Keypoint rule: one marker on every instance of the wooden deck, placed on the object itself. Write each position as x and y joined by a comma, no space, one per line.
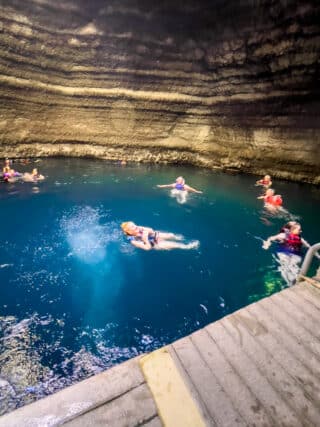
259,366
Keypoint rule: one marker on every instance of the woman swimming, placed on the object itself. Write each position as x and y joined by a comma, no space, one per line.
289,251
271,199
289,238
180,185
146,238
180,189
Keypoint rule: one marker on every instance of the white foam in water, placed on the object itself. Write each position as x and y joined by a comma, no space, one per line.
85,246
289,266
180,195
147,339
87,238
5,265
204,308
222,302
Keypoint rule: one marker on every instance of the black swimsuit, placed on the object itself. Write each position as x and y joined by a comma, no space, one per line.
152,237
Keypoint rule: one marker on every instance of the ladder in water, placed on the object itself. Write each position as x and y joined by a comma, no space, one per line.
312,251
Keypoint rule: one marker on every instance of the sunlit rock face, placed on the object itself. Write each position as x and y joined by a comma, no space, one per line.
223,83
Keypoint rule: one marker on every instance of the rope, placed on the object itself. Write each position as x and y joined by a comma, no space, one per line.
313,282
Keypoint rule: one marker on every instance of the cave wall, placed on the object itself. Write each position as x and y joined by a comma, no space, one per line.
222,84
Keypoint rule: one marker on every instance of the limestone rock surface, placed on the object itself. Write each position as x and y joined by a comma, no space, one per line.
220,84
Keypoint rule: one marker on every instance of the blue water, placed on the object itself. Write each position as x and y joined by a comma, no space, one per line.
76,297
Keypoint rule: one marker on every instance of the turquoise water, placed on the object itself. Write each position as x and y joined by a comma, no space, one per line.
76,297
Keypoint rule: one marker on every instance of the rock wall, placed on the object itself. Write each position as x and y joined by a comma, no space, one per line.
223,84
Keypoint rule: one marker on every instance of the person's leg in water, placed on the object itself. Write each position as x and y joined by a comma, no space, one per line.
168,236
182,197
289,266
167,245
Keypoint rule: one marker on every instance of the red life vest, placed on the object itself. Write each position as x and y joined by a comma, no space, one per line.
293,241
274,200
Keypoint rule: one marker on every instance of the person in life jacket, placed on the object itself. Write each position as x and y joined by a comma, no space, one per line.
179,185
289,238
146,238
265,181
271,198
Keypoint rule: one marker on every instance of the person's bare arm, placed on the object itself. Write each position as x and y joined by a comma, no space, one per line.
307,245
267,243
141,245
165,185
193,190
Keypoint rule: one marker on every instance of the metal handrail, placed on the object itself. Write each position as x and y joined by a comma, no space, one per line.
307,260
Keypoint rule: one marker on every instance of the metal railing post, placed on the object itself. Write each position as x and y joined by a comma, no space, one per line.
307,260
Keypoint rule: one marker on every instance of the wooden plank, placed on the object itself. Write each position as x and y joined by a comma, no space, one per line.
231,381
310,293
217,403
294,312
304,305
77,399
311,280
280,367
131,409
242,354
294,341
176,406
190,386
293,322
315,291
155,422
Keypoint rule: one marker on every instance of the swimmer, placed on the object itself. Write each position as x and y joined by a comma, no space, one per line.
7,171
24,161
146,238
289,238
271,199
34,176
265,181
11,175
180,185
287,227
7,166
289,250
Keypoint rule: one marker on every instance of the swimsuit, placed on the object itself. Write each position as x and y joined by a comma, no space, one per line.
152,237
179,186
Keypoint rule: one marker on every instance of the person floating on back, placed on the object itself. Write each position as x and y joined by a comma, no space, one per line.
265,181
146,238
